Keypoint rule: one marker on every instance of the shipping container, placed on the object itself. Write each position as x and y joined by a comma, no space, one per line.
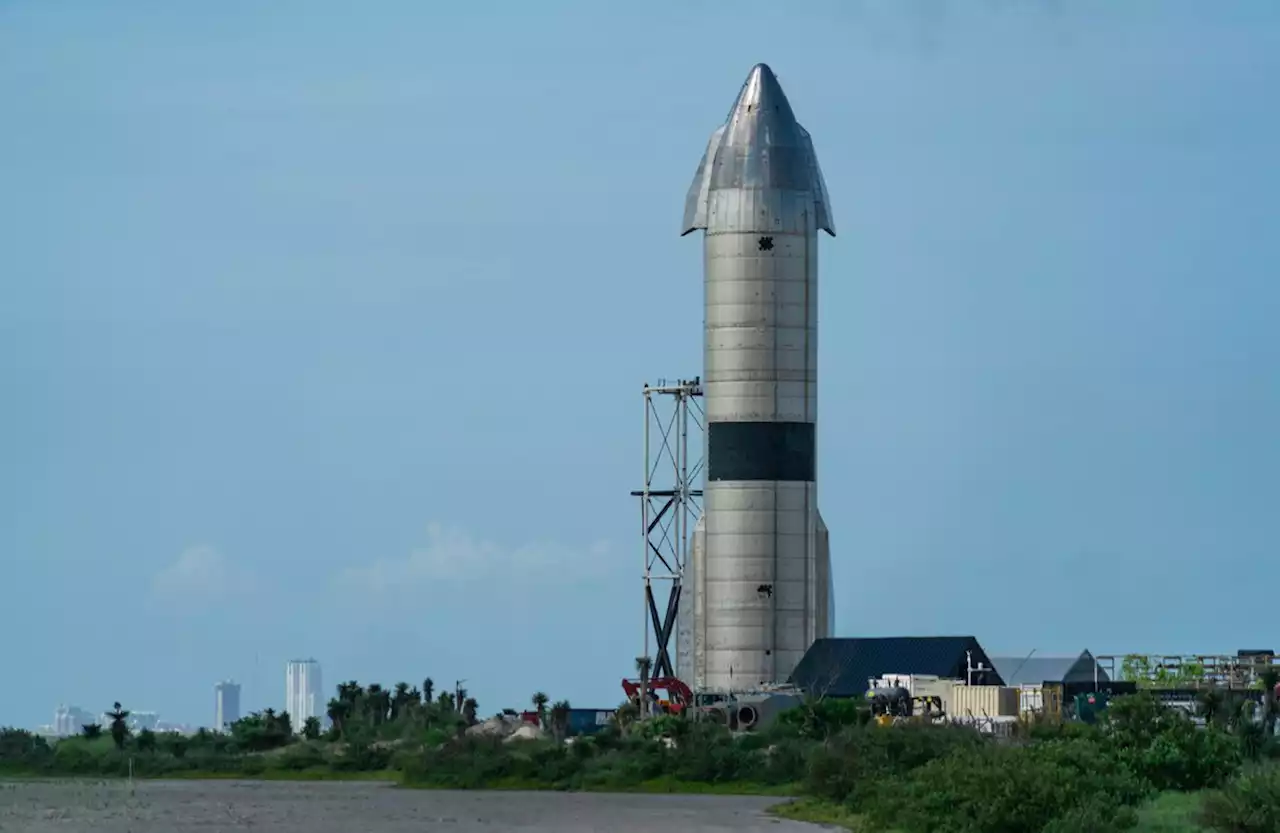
1030,698
589,721
1045,699
983,701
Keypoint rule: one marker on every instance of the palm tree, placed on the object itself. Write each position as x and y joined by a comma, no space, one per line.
1211,706
540,699
376,702
119,728
626,715
560,719
338,712
399,700
350,692
428,690
469,707
643,666
92,731
311,728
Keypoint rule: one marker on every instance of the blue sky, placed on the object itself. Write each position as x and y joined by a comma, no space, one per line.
322,329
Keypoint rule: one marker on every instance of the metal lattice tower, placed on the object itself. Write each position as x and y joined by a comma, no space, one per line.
670,504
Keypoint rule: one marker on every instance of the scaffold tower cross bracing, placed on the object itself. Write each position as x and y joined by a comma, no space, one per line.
670,503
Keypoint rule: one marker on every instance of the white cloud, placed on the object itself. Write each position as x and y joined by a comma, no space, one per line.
453,555
200,576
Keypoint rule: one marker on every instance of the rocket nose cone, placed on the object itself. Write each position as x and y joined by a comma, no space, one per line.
762,94
762,72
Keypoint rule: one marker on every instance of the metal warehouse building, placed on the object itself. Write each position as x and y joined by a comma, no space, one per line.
842,667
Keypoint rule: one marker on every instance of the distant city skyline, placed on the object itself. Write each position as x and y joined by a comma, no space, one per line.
304,694
69,720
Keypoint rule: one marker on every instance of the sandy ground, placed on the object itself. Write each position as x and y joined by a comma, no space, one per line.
286,807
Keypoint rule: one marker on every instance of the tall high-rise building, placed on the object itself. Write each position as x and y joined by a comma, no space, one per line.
303,692
226,705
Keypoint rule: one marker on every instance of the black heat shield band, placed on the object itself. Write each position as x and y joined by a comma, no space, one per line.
760,451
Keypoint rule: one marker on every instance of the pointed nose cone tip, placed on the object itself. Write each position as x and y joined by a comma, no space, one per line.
761,72
761,93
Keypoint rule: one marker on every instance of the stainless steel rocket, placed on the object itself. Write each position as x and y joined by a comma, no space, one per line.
759,568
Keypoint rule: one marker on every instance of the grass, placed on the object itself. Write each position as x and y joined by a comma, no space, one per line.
817,811
1167,813
1170,813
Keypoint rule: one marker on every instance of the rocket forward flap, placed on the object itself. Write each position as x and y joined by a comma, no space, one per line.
821,202
695,203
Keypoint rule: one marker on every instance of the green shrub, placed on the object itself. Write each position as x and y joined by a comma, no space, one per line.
21,749
1249,804
821,719
1095,769
785,762
1186,759
1138,719
146,741
554,764
1042,729
628,763
301,756
362,757
83,756
464,763
993,789
609,737
174,744
662,726
1164,747
1253,739
711,755
847,767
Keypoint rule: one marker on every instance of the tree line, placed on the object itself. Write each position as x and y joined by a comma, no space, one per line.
912,776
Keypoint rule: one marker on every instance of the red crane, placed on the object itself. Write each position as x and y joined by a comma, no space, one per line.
679,696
